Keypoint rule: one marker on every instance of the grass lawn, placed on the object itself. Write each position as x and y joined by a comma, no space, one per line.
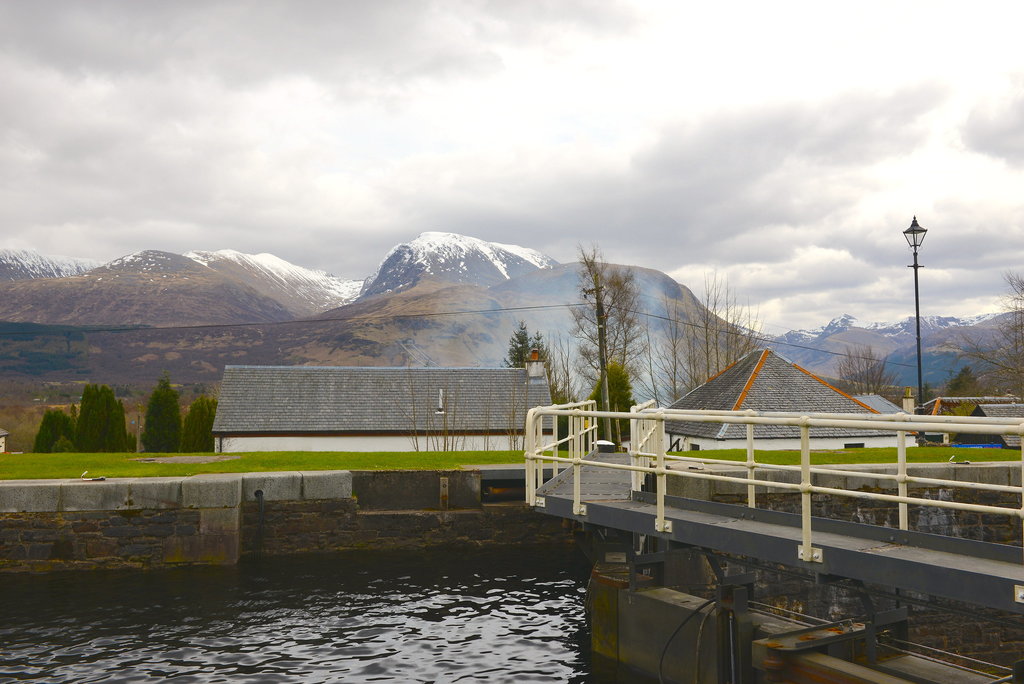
64,466
922,454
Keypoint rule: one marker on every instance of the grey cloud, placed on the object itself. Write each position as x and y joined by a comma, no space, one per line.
356,47
700,192
997,129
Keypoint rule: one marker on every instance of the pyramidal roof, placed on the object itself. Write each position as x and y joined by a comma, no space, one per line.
765,381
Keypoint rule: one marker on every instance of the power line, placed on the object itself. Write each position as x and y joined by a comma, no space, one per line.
46,328
53,329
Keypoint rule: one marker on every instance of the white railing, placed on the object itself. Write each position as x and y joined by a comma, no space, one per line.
648,457
544,449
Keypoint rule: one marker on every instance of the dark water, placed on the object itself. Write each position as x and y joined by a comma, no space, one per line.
498,616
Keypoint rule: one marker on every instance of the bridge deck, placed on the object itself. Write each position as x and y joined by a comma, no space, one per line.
978,573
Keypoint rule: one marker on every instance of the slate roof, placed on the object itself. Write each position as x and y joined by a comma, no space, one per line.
374,400
764,381
1001,411
943,405
878,403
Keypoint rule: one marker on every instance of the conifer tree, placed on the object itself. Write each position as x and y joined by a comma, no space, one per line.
55,425
162,433
520,344
100,426
197,429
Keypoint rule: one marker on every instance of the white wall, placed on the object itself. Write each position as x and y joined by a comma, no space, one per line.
382,443
782,444
3,443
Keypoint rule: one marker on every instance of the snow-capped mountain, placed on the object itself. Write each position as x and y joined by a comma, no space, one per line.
899,331
22,264
302,290
452,258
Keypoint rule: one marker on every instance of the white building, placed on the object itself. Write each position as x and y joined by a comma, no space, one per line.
305,408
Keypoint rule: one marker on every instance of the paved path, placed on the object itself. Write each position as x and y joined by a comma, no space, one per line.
596,484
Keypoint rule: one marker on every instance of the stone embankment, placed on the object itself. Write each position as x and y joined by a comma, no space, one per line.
218,519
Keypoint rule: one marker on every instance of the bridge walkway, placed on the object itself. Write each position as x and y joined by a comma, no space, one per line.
974,572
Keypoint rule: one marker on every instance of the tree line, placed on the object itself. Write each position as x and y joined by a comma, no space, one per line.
98,424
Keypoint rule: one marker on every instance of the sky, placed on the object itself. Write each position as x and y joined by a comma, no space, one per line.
782,146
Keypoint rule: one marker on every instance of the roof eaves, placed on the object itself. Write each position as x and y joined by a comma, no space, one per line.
835,389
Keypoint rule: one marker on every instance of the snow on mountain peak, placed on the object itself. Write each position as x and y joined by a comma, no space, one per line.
20,264
453,257
308,290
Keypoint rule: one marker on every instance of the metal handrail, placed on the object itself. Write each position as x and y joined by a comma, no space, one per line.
648,457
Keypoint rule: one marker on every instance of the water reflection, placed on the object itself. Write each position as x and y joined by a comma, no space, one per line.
507,615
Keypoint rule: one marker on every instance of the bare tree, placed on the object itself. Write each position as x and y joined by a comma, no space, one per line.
1002,355
721,333
864,371
668,377
696,340
614,291
561,362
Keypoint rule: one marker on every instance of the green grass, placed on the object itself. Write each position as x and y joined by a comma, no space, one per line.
922,454
64,466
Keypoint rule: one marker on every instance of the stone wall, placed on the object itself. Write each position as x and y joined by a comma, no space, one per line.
971,631
217,519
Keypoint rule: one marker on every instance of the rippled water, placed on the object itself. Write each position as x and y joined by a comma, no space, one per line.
500,616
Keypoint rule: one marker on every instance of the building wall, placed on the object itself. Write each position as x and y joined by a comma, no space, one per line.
685,443
3,443
498,442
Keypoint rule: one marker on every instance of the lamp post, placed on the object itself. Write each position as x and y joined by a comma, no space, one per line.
915,237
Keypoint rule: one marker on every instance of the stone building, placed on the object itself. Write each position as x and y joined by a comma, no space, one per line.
304,408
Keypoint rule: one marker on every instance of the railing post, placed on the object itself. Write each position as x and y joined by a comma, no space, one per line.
901,475
635,447
660,524
807,550
751,496
529,436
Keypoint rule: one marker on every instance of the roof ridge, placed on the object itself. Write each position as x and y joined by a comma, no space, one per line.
751,379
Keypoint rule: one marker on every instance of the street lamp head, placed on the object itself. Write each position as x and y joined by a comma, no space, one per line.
915,234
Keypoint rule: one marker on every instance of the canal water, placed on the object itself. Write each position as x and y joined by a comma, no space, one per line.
510,615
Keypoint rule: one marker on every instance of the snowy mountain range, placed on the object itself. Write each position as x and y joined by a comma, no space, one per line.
227,286
18,264
899,330
360,322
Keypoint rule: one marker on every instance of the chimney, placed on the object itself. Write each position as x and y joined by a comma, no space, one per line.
908,401
534,367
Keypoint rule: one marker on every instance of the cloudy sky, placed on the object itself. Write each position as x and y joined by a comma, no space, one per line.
784,145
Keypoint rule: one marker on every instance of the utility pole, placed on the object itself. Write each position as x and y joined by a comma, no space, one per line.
602,348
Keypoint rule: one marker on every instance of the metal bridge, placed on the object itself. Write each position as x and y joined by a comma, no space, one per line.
630,492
